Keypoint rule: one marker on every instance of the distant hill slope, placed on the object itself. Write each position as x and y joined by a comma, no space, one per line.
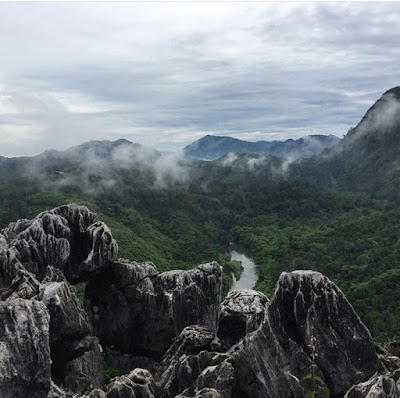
214,147
94,157
366,159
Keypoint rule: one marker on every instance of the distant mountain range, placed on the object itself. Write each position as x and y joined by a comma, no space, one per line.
213,147
367,159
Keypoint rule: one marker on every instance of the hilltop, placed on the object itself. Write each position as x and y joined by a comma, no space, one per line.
212,147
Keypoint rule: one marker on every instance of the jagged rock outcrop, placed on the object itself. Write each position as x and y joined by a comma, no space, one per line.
307,304
24,285
184,361
141,311
220,375
24,349
56,392
194,366
390,362
36,257
49,346
66,237
270,361
241,313
84,370
204,393
137,384
383,386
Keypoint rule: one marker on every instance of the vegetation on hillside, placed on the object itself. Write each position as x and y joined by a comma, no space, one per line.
286,224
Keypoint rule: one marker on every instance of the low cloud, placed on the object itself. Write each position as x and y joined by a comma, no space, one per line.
384,116
96,167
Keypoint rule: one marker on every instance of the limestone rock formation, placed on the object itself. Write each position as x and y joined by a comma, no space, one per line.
24,285
97,393
84,370
138,384
141,311
184,361
270,361
76,356
40,309
241,313
383,386
56,392
204,393
24,349
307,304
248,347
65,237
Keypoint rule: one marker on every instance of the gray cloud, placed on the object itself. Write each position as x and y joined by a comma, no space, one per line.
164,74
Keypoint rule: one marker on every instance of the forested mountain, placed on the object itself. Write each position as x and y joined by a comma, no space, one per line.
213,147
178,212
366,159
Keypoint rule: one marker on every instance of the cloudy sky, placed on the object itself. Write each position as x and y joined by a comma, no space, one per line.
165,74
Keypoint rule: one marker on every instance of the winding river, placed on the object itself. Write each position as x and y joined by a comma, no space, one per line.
249,274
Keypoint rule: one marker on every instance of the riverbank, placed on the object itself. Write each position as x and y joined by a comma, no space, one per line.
249,275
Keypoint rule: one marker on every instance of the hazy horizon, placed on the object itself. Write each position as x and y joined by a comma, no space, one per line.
165,74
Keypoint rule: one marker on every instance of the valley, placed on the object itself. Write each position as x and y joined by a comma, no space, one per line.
178,212
161,216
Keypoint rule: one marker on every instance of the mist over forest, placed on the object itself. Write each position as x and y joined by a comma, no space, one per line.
199,200
334,212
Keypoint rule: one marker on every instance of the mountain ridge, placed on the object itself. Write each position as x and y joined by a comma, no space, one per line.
366,159
211,147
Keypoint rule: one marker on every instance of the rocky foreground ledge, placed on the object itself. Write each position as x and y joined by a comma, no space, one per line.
174,336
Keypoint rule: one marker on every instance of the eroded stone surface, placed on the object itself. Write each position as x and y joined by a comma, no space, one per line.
65,237
76,356
36,259
137,384
241,313
24,349
204,393
141,311
172,316
307,304
184,361
384,386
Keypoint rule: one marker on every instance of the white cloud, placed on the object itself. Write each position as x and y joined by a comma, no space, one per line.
164,73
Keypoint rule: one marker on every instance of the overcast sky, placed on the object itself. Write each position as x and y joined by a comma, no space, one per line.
165,74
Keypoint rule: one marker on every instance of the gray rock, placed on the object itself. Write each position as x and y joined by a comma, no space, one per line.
241,313
65,237
390,362
204,393
137,384
384,386
68,319
24,349
24,285
86,371
10,263
306,303
270,361
76,356
141,311
184,361
219,376
56,392
96,393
